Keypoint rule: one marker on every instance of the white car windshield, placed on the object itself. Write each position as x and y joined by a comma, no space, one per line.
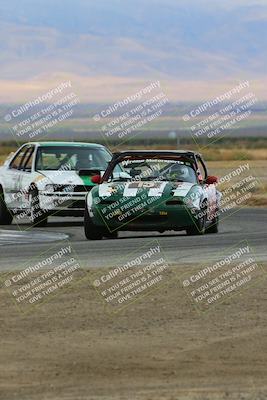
52,158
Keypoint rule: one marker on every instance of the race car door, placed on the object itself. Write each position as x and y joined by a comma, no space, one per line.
11,178
25,178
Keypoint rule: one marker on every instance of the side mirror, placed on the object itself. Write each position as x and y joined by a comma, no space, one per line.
211,180
96,179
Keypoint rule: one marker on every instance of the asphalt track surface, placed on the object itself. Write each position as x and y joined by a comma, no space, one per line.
20,244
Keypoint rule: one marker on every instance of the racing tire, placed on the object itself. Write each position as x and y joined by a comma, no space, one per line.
6,217
91,231
214,227
199,227
111,235
38,216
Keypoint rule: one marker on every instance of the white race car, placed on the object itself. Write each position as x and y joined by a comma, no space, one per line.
47,178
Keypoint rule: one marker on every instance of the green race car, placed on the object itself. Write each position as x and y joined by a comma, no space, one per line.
152,191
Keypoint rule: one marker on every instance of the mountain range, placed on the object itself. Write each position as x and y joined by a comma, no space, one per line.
108,48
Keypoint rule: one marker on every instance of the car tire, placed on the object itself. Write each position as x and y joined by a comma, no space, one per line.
214,227
199,227
91,231
111,235
6,217
38,217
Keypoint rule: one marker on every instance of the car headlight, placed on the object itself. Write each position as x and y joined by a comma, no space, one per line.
193,198
49,188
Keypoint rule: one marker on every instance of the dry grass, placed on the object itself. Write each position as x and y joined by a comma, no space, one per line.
210,153
2,159
213,154
5,151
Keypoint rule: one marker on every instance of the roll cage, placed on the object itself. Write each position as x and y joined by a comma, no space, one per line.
182,155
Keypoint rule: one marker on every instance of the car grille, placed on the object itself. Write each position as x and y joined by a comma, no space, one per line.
77,204
82,188
71,188
174,202
62,188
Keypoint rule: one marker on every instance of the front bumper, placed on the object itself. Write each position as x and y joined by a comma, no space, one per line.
63,203
177,217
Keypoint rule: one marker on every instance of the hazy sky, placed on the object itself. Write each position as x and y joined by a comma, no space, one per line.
201,44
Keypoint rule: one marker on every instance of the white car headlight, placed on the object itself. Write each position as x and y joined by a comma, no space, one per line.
192,199
49,188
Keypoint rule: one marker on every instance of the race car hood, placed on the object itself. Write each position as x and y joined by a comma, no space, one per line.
150,188
64,178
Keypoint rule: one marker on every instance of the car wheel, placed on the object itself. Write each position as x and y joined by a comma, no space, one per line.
199,227
91,231
214,227
38,217
111,235
5,215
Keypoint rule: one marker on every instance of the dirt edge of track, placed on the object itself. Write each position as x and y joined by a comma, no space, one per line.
157,348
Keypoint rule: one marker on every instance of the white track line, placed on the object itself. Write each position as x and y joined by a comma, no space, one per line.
9,237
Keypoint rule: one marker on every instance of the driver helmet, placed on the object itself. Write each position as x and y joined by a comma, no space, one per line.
182,171
83,161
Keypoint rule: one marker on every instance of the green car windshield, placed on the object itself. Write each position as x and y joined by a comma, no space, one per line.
157,169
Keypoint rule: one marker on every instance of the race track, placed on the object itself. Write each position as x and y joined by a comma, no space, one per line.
19,244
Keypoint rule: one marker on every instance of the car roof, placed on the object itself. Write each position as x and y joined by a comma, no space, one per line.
156,152
67,144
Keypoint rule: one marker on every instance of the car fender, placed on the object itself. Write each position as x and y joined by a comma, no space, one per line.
89,204
212,201
2,178
39,181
